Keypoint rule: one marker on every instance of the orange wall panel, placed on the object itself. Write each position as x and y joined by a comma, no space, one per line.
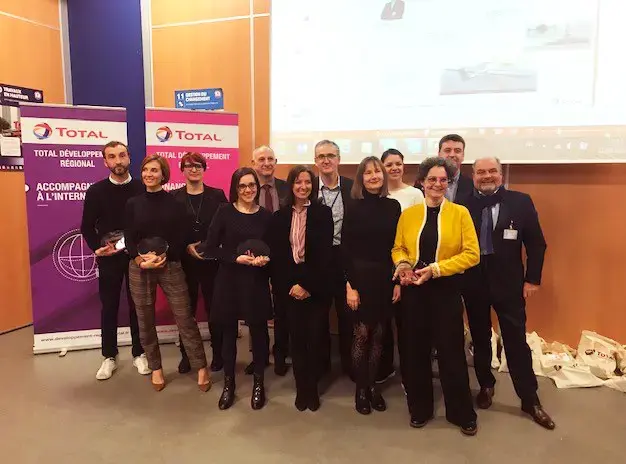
262,80
168,11
261,6
15,299
38,65
583,217
42,11
207,55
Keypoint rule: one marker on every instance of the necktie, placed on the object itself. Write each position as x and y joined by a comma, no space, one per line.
269,202
486,229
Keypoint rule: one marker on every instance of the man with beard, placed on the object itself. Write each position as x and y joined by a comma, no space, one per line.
505,222
102,227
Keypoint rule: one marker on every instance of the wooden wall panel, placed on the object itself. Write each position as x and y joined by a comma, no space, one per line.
261,6
582,212
262,80
168,11
38,65
15,297
42,11
206,55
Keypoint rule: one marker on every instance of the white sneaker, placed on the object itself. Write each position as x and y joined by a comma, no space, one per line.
141,363
106,370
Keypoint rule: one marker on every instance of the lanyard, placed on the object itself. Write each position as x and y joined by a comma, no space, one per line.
334,200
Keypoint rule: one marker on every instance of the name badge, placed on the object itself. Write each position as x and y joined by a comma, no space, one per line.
510,234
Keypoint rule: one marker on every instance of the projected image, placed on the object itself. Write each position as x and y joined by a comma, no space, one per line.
488,77
383,73
393,10
567,35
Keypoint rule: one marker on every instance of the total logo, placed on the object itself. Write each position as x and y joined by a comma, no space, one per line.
43,130
164,134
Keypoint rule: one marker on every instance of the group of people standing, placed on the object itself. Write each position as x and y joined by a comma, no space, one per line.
375,249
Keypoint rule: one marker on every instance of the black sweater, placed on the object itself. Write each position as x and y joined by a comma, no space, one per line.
369,230
230,228
201,207
104,208
155,214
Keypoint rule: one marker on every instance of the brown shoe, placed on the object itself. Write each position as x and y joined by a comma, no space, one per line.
540,416
158,386
205,387
484,397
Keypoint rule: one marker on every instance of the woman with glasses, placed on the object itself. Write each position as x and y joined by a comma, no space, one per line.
242,289
434,244
405,194
200,202
369,229
154,240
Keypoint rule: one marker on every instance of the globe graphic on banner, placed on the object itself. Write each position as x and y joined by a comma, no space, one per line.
73,258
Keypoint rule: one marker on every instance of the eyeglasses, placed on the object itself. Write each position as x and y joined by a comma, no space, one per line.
194,166
243,187
433,180
326,156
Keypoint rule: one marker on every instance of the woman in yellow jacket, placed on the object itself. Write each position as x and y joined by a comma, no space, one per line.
435,242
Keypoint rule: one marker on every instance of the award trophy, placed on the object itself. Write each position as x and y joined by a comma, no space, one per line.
152,246
115,238
255,247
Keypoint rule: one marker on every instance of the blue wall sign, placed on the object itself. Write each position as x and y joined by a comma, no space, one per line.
199,99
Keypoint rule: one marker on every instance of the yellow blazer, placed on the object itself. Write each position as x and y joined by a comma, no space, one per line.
457,243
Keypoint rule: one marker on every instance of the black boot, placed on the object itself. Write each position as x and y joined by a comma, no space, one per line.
302,399
362,401
376,399
228,394
258,393
280,366
183,365
217,363
314,398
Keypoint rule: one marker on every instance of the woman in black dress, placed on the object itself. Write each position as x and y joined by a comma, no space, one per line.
368,233
301,239
242,289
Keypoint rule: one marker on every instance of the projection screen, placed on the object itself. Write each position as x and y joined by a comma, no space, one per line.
530,81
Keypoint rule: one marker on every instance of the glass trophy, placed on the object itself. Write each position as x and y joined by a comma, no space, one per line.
152,246
255,247
116,238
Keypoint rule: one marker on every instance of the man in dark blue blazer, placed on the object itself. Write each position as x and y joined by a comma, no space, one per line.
506,222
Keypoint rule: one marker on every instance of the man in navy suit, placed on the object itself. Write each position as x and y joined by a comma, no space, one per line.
506,221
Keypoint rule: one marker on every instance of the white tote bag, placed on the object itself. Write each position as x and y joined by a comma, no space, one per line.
599,353
575,376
